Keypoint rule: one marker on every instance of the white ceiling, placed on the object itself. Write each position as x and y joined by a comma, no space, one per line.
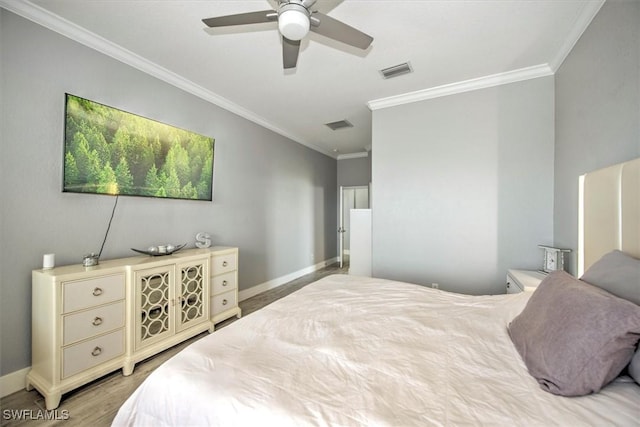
451,45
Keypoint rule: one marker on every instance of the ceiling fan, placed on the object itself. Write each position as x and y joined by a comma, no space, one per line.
295,19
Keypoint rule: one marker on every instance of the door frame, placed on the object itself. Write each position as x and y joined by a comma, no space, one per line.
341,229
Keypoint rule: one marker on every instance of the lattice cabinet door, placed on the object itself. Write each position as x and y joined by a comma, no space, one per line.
154,304
192,294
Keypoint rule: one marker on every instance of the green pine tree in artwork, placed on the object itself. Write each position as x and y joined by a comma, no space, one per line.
204,185
161,192
189,191
121,144
71,176
172,186
108,183
180,161
80,150
94,171
96,141
196,168
124,177
140,153
152,182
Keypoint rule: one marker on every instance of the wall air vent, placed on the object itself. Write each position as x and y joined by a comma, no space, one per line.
396,70
340,124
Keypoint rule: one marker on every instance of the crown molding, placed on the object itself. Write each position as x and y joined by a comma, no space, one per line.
589,11
49,20
353,155
584,18
55,23
463,86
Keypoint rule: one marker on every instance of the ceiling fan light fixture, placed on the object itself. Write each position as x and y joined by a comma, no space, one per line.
293,23
295,20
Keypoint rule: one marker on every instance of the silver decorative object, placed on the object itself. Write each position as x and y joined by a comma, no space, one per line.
90,260
203,240
160,250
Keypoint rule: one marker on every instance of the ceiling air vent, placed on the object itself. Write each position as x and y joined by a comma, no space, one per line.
396,70
340,124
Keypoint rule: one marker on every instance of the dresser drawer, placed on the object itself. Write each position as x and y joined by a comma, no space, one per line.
512,286
81,294
223,283
85,324
87,354
223,302
223,263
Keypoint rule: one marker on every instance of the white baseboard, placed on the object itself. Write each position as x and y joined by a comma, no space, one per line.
274,283
15,381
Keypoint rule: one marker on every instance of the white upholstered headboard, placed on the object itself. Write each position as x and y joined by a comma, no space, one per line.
609,214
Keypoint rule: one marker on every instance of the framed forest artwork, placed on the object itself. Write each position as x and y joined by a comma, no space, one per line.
110,151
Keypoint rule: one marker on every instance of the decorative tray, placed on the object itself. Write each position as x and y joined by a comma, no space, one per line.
160,250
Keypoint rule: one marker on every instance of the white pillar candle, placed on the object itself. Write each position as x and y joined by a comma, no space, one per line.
48,261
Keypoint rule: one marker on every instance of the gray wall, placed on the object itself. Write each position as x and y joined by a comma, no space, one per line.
354,172
463,186
597,109
273,198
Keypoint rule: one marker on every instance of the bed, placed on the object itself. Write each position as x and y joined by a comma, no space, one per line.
355,351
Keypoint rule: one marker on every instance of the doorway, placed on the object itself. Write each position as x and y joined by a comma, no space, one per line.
354,197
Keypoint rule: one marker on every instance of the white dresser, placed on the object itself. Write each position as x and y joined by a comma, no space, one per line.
89,321
523,280
224,284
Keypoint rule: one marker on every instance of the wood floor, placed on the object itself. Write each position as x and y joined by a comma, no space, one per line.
97,403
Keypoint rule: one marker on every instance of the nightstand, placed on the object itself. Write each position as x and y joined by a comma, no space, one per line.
523,280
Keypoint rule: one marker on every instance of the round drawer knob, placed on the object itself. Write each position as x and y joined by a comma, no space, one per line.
96,351
224,283
224,263
97,292
97,321
224,302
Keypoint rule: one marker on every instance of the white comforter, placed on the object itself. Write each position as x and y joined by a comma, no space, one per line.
348,351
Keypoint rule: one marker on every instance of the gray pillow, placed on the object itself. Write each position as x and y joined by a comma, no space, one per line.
575,338
618,273
634,367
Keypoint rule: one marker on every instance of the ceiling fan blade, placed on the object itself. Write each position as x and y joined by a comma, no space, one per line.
340,31
242,18
290,50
